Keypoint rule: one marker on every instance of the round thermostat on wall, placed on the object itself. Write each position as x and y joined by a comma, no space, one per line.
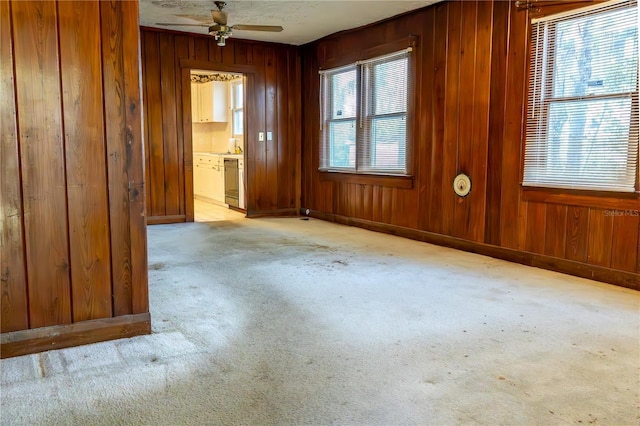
462,185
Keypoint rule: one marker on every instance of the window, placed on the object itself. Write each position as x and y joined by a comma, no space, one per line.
364,123
237,99
582,119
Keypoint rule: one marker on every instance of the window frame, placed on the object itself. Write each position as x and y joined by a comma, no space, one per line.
579,197
327,96
394,180
368,116
234,109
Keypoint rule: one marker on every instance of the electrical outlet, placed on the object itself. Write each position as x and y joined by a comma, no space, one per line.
261,136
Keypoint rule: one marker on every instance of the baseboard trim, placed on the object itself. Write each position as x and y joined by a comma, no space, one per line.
597,273
163,220
42,339
272,213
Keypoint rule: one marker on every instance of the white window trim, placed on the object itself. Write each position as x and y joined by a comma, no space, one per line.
233,85
539,104
363,99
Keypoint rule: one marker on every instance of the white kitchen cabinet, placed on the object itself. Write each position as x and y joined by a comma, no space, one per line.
209,102
208,178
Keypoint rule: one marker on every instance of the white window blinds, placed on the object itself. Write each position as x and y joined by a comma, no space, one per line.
582,119
364,116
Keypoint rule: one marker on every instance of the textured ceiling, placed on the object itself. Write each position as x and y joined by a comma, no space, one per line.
303,21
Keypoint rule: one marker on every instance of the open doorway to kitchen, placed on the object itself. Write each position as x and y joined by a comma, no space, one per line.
218,143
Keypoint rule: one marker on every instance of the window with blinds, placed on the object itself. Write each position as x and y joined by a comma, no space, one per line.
582,118
364,116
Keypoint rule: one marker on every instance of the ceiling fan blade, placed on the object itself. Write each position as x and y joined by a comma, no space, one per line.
204,20
181,25
271,28
219,17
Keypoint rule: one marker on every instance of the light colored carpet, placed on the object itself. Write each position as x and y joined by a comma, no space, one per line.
293,322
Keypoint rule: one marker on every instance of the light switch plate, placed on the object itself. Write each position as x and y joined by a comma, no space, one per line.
261,136
269,136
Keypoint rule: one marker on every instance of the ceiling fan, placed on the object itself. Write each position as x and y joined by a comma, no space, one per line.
219,28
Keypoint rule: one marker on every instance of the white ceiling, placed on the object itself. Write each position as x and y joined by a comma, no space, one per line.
303,21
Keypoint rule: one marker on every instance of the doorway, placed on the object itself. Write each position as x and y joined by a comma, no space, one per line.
218,144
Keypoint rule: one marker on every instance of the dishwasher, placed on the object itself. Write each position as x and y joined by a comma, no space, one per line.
231,182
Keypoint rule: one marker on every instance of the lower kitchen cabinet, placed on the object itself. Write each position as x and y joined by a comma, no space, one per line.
208,178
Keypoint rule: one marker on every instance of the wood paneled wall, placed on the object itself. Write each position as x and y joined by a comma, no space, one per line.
72,195
470,95
272,168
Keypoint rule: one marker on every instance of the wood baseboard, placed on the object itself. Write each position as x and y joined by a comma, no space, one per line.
272,213
163,220
36,340
597,273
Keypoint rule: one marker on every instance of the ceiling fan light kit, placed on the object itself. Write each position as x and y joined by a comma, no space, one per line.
219,28
221,33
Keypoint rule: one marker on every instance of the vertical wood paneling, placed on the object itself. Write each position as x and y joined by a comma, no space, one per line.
600,238
356,197
404,210
271,125
183,127
512,212
421,144
470,115
74,149
451,116
13,300
555,231
257,183
624,254
272,175
467,103
215,53
284,167
181,50
309,197
497,113
435,185
241,53
82,101
480,120
367,202
115,132
228,54
638,252
536,226
577,229
386,205
135,159
201,49
170,142
376,202
153,111
146,126
294,127
42,161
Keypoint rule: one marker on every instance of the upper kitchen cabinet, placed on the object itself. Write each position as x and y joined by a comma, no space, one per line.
209,102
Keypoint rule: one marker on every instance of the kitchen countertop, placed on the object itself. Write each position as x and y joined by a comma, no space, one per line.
225,154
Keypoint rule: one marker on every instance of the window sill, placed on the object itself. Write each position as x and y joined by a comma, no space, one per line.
391,181
597,199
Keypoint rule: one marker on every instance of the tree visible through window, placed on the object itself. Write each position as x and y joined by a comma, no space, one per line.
582,127
364,126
